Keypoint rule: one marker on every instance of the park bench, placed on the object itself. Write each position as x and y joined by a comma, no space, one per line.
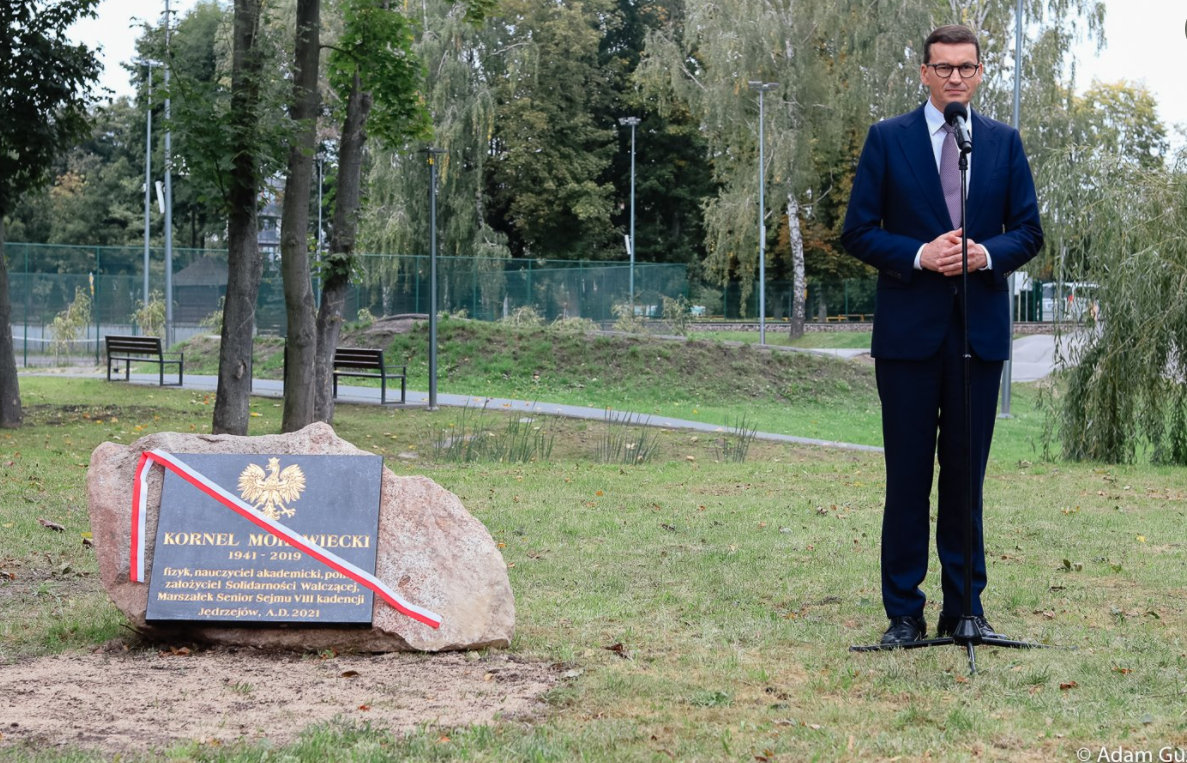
367,363
140,349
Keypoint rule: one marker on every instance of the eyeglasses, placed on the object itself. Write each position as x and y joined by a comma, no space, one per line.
944,71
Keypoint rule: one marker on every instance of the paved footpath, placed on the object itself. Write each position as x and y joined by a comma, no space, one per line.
1033,359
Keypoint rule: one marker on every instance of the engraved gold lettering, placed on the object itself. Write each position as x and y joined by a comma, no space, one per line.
200,539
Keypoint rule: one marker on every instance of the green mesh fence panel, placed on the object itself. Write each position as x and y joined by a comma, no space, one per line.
43,279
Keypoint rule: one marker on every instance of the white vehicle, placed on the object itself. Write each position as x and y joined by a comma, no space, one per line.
1070,301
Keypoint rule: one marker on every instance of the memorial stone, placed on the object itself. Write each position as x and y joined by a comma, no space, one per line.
429,552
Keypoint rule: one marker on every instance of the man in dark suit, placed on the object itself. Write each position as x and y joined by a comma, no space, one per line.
904,220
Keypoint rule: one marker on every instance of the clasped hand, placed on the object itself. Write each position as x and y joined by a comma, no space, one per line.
943,255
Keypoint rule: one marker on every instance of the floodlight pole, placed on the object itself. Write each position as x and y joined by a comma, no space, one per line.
168,195
762,87
632,122
433,153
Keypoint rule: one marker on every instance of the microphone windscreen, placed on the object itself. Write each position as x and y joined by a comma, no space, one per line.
953,110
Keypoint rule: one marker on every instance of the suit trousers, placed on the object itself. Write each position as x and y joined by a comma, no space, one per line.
923,406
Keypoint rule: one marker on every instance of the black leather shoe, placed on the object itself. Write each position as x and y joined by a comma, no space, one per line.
904,630
948,623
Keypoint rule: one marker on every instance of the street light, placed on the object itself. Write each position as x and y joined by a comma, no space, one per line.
762,87
632,122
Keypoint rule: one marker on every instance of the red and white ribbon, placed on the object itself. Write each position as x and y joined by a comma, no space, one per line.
237,505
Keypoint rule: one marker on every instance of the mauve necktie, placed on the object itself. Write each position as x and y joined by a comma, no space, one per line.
950,173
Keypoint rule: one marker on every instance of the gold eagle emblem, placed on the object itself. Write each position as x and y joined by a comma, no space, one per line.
269,493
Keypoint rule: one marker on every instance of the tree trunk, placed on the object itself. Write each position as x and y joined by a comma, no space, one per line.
300,344
341,255
244,266
10,388
799,295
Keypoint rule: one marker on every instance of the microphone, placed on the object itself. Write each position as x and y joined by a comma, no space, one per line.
956,115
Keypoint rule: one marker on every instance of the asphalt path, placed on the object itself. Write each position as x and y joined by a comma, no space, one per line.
1034,358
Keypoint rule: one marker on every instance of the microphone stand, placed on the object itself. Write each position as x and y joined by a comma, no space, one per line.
968,633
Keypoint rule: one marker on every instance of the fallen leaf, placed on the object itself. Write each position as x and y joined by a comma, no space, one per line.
175,651
1121,670
618,649
51,525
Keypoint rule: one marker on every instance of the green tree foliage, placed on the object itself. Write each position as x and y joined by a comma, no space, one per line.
547,185
1119,221
45,85
377,46
460,104
199,54
1125,394
207,132
45,88
1120,119
94,195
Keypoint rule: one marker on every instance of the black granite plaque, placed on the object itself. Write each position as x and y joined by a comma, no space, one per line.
211,564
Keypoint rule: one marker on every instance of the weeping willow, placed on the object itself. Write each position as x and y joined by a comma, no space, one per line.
1122,226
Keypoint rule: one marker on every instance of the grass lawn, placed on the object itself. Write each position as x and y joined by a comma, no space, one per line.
734,589
777,336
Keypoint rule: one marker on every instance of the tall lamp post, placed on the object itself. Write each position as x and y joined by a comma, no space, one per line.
147,179
321,161
762,87
632,122
433,153
168,195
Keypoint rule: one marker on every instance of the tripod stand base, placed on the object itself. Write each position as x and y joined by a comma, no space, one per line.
968,634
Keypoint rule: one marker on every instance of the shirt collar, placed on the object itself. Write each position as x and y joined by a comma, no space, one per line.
935,118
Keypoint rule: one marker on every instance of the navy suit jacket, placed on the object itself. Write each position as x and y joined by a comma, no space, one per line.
897,205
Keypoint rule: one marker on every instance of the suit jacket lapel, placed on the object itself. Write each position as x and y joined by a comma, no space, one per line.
987,149
915,143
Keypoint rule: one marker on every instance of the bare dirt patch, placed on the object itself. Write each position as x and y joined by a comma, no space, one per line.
136,701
